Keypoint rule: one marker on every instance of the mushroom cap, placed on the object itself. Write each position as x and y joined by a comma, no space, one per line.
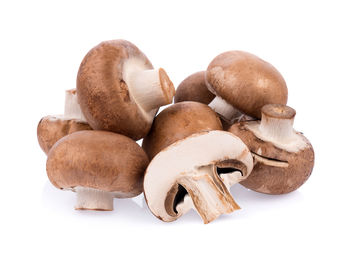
183,158
246,82
103,94
177,122
52,128
193,88
100,160
279,168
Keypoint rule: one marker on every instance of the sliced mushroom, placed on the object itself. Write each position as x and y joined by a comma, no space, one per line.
177,122
283,157
193,88
119,90
243,84
196,172
52,128
98,166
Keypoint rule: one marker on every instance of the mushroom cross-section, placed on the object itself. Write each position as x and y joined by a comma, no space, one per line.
283,158
98,166
119,90
243,84
196,172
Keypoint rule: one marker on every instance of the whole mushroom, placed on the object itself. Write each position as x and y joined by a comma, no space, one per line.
196,172
283,158
53,127
98,166
243,84
193,88
119,90
177,122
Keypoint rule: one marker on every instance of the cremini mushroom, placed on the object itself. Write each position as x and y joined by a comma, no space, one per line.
53,127
283,157
177,122
98,166
193,88
119,90
243,84
196,172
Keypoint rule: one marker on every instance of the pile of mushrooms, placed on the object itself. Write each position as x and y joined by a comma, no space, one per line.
229,124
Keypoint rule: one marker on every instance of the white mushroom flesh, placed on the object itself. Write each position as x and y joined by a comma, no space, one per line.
72,108
93,199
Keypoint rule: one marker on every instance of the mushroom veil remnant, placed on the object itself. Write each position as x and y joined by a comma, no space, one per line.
196,172
98,166
243,84
52,128
283,157
119,90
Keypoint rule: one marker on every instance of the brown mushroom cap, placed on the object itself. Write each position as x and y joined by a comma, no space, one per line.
246,82
100,160
281,166
193,88
177,122
103,94
52,128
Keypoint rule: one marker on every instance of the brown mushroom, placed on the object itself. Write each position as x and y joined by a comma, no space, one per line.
52,128
177,122
243,84
98,166
283,157
193,88
119,90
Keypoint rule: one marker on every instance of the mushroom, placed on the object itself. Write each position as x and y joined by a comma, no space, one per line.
53,127
119,90
98,166
283,157
196,172
193,88
243,84
177,122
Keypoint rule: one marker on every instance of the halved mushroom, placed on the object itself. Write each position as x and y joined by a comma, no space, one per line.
53,127
196,172
119,90
177,122
193,88
283,157
243,84
98,166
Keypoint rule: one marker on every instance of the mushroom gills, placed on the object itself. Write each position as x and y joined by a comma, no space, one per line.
205,192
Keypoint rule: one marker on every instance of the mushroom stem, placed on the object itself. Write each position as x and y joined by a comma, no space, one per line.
72,108
277,122
226,111
209,195
151,88
93,199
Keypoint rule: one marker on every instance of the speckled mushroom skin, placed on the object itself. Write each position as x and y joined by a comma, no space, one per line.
246,82
100,160
51,128
275,179
177,122
103,94
193,88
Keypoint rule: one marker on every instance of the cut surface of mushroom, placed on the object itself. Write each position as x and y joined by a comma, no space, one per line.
119,90
196,172
98,166
283,158
53,127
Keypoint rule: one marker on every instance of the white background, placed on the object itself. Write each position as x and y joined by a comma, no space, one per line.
41,46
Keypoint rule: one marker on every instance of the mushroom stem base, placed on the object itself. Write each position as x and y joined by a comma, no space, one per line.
72,108
93,199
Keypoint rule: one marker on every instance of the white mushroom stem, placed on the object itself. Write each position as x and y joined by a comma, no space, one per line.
93,199
279,129
151,88
227,111
72,108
